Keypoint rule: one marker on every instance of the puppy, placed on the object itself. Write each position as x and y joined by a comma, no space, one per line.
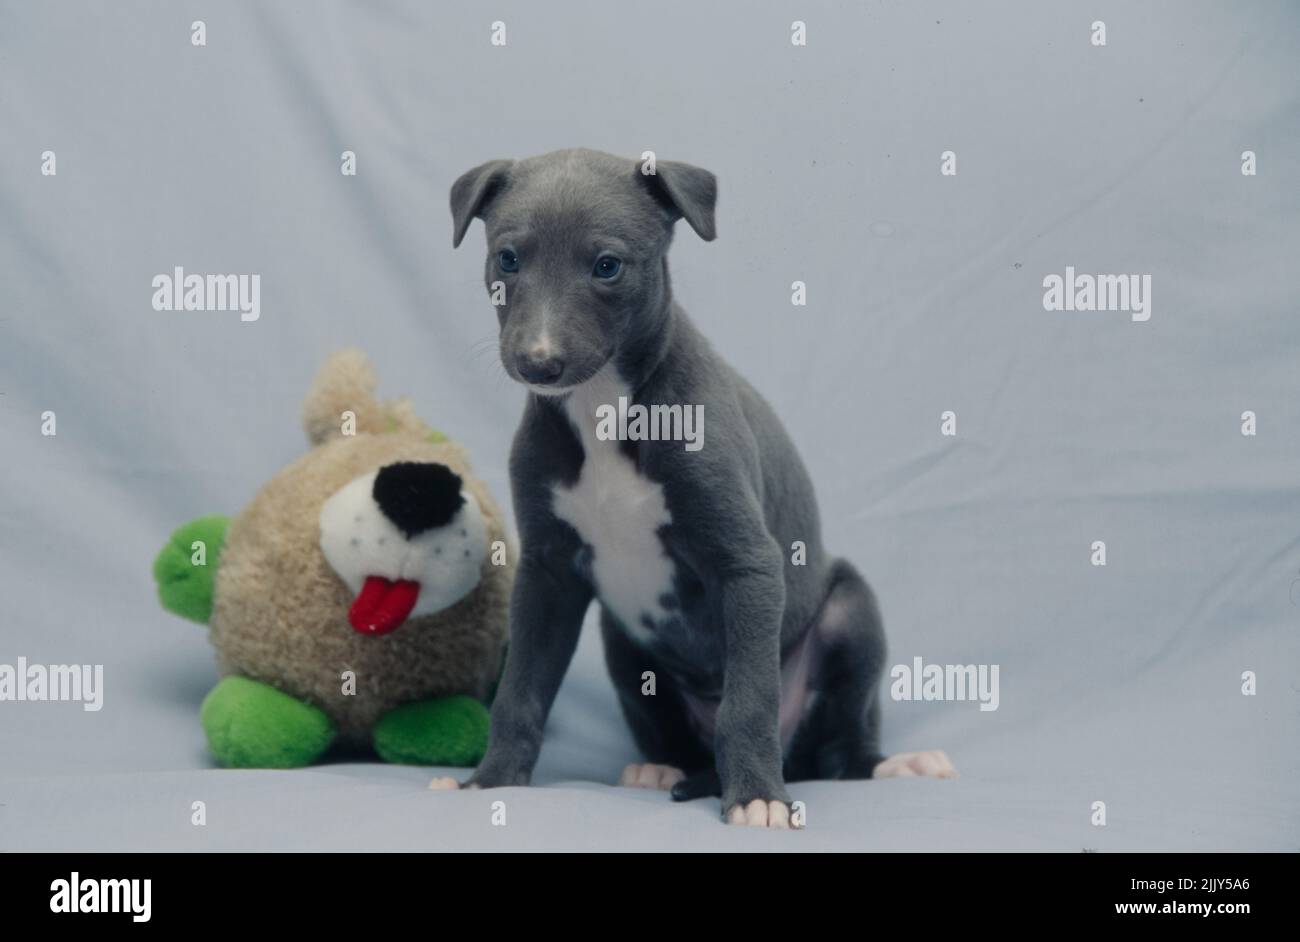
766,669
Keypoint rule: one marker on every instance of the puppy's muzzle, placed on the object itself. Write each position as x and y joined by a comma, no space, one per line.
539,370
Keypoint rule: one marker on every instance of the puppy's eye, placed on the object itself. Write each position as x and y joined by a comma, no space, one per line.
607,266
508,260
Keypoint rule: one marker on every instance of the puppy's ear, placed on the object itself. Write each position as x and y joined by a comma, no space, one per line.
688,192
471,194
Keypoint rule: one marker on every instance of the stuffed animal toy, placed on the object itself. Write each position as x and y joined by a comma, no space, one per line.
359,601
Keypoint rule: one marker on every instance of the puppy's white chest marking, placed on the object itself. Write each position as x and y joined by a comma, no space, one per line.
618,513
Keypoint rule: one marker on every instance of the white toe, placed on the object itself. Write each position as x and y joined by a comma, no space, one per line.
778,815
758,813
933,763
650,775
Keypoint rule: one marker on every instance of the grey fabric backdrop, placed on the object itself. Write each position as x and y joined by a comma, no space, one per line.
1119,684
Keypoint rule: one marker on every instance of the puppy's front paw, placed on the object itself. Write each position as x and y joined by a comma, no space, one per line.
650,775
761,814
933,762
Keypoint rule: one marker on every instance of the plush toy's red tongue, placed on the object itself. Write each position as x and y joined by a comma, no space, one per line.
383,604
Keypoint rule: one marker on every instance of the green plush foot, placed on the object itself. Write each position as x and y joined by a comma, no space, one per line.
251,725
450,731
185,571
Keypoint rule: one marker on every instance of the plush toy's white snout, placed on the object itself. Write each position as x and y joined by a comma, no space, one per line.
407,539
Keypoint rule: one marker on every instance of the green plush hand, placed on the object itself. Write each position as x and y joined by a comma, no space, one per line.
186,568
449,731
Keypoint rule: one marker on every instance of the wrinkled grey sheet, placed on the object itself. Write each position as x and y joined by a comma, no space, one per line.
1119,684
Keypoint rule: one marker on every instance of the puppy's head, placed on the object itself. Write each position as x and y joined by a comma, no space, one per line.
576,255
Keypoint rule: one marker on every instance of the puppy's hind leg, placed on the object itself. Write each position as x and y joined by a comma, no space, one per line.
840,739
659,723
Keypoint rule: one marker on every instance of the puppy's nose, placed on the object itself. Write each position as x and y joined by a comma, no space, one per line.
418,495
539,369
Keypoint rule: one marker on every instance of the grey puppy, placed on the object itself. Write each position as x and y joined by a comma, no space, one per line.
766,666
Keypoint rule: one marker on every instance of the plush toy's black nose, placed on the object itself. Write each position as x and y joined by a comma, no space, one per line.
418,496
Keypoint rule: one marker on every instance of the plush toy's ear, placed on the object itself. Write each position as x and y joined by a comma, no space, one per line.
471,194
344,384
687,192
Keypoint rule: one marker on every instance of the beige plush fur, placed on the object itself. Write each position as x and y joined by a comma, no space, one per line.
280,612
